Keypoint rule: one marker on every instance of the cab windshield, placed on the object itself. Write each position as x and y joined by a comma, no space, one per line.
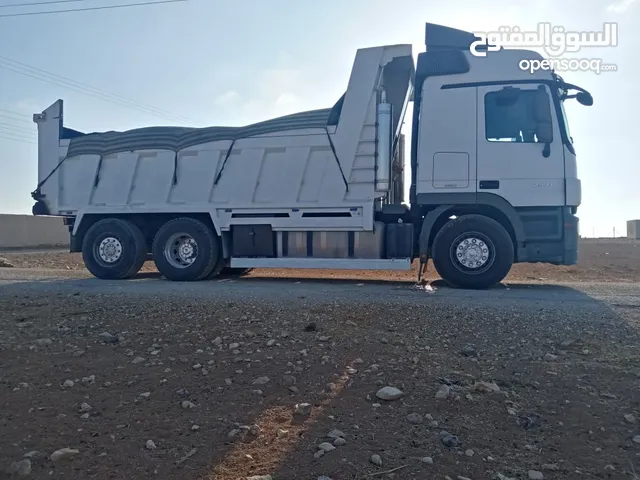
582,96
565,120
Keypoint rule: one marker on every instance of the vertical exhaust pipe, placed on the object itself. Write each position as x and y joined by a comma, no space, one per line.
384,145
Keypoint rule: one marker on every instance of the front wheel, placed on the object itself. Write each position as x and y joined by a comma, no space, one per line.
473,251
185,249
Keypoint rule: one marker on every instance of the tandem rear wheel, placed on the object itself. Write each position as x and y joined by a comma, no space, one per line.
114,249
186,249
473,251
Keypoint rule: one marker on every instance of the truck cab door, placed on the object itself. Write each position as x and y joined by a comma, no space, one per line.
519,152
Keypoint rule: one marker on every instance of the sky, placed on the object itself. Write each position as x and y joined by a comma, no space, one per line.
213,62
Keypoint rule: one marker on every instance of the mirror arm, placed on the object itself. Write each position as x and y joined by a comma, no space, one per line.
546,150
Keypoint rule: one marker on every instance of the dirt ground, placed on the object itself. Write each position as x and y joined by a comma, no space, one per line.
170,385
599,260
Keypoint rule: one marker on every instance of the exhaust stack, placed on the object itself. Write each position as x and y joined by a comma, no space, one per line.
384,145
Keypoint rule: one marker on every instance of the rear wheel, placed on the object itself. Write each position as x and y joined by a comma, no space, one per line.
217,269
185,249
473,251
114,249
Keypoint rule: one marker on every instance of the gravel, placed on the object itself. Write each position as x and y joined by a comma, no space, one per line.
21,468
515,407
415,418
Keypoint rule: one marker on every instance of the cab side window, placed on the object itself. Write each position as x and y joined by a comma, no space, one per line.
510,115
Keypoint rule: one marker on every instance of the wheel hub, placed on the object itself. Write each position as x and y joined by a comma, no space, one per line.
472,253
110,250
186,250
181,250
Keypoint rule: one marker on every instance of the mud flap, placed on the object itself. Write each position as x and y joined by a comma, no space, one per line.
571,237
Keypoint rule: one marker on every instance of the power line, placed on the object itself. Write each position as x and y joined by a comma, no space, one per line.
66,82
77,87
16,133
16,127
13,136
6,136
106,7
32,4
18,130
18,140
14,112
11,117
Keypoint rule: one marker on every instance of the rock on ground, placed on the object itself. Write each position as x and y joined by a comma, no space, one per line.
20,469
486,387
443,392
261,381
335,434
63,454
389,393
326,447
449,440
414,418
302,410
4,263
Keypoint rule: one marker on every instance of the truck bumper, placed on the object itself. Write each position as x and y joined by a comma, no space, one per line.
560,247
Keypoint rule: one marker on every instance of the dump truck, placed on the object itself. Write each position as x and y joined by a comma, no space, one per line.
492,169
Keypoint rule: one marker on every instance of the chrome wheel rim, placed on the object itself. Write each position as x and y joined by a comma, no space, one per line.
109,250
472,253
181,250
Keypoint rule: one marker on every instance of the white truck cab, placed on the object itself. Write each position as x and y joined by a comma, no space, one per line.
492,167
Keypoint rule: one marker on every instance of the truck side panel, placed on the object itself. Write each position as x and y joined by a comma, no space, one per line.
253,171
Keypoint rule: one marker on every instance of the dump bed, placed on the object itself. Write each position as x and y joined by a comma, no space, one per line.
290,168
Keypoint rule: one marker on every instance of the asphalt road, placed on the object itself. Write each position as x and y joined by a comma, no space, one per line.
580,295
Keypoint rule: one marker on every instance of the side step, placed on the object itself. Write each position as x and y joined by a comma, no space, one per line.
323,263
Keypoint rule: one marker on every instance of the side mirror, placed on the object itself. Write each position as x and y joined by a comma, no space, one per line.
584,98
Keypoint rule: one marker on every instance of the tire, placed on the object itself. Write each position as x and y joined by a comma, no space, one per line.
235,271
114,249
490,252
185,250
217,269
